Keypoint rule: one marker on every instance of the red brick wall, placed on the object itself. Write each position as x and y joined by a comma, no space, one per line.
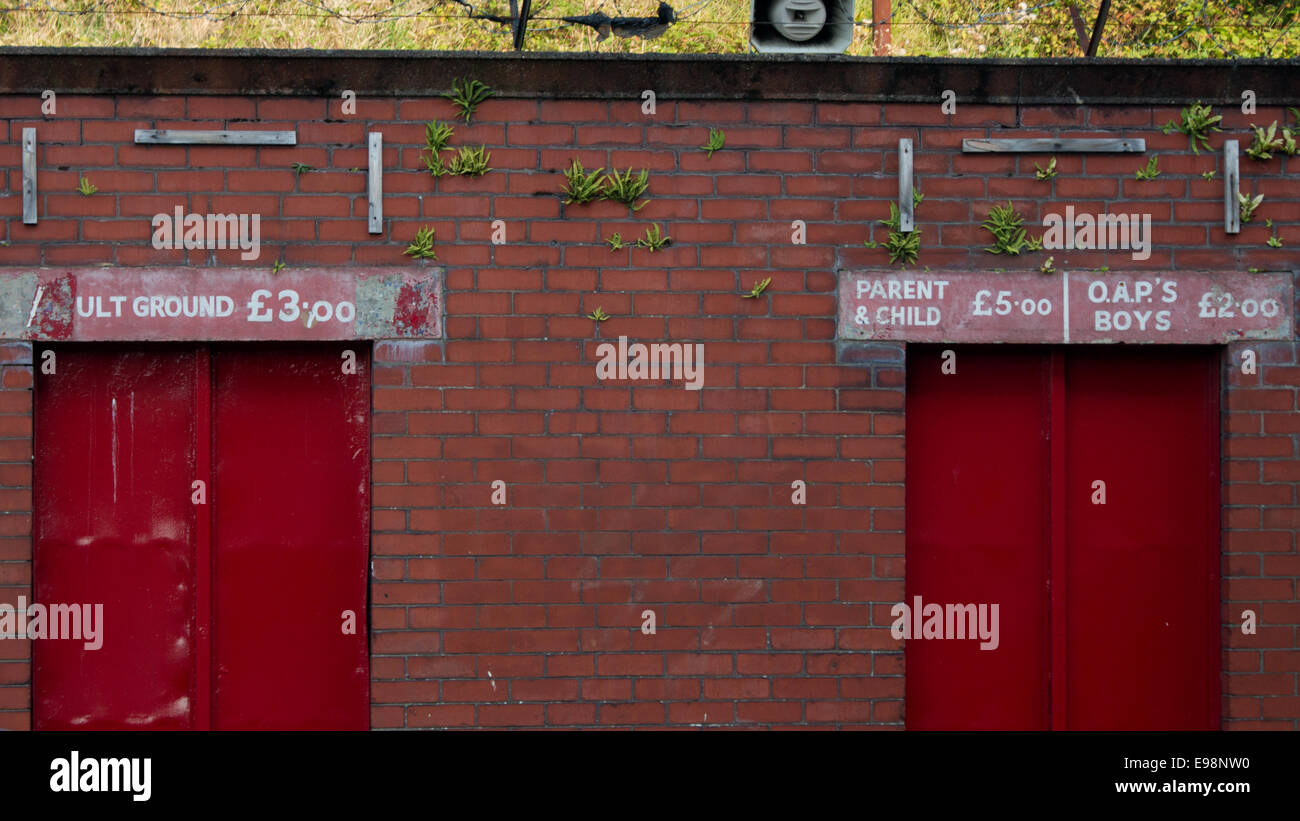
15,524
630,496
1261,473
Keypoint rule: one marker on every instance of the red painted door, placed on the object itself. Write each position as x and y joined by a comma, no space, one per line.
977,518
113,526
237,603
1142,595
292,529
1108,611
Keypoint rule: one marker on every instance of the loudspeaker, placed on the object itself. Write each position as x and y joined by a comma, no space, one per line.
801,26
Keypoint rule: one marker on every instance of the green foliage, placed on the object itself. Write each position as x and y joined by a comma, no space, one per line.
1150,171
436,137
470,162
1047,267
654,239
1246,205
626,188
1273,242
902,247
1045,173
717,139
84,186
758,289
278,266
1007,227
580,186
1196,122
1209,175
435,165
1265,142
599,314
1187,29
300,168
422,247
466,95
616,242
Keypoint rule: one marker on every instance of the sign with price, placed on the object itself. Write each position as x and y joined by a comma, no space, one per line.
234,304
1080,306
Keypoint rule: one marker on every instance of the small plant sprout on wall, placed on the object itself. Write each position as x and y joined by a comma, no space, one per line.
717,139
1196,122
581,186
466,95
1150,171
653,239
436,137
1045,173
616,242
300,168
470,162
1264,143
1274,241
626,188
422,246
598,315
84,186
903,247
758,289
1007,227
1247,205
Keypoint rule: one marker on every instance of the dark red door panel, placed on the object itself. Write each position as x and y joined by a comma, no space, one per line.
291,537
114,526
976,510
1142,569
1109,611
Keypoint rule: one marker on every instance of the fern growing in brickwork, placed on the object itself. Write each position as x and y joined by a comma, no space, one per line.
626,188
1009,236
422,246
581,186
903,247
1196,122
466,95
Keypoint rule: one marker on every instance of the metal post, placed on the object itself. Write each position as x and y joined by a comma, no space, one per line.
880,27
521,23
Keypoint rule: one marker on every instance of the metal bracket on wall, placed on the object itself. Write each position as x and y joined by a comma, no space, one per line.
1047,146
147,135
1231,187
29,176
905,223
375,181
